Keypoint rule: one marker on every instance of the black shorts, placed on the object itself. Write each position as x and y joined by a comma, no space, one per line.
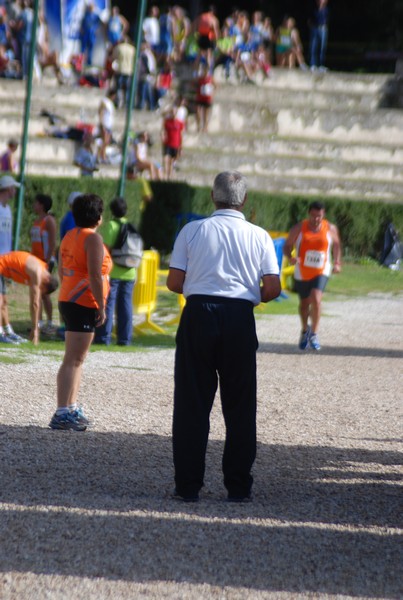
3,289
78,318
304,288
173,152
205,43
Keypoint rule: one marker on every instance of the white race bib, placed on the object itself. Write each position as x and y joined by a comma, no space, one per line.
314,259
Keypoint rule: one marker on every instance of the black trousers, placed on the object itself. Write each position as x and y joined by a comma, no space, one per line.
216,341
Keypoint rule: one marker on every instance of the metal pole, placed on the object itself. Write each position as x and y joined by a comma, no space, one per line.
20,199
133,89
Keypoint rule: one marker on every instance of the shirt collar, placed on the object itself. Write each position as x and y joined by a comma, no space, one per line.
229,212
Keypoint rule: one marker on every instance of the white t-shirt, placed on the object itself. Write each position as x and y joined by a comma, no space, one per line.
108,113
6,227
151,29
224,255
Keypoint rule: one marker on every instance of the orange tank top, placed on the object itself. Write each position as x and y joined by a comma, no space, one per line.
12,266
313,252
39,239
75,286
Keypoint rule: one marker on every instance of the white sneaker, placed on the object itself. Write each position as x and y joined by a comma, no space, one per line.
4,339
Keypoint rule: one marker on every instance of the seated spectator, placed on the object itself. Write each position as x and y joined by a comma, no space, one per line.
85,157
225,51
297,49
44,56
106,113
7,160
138,160
10,68
284,44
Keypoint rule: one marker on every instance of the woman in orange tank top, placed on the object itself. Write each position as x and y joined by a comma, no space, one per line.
84,266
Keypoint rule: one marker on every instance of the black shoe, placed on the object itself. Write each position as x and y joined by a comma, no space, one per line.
185,497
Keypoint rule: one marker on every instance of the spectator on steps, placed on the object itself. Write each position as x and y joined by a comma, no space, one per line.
319,30
8,163
85,157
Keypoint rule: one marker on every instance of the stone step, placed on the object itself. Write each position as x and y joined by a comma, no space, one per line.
306,185
261,145
294,166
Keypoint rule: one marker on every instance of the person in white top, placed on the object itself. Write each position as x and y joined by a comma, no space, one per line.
151,28
106,114
224,266
8,187
138,157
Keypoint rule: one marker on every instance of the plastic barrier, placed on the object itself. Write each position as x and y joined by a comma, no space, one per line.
145,291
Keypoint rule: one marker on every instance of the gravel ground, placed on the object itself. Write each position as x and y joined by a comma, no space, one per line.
89,515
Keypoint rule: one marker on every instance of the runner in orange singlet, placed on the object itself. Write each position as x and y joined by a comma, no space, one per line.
43,245
23,267
84,266
315,240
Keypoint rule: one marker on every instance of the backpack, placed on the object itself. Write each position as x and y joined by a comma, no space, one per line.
128,248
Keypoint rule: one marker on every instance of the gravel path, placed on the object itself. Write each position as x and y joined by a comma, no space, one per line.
90,515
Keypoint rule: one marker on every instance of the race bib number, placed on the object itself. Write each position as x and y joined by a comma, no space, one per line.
314,259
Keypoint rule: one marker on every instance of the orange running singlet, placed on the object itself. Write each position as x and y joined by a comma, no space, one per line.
12,266
75,285
313,252
39,239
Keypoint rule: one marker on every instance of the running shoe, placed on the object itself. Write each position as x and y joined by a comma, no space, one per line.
314,342
14,337
67,421
304,339
80,416
4,339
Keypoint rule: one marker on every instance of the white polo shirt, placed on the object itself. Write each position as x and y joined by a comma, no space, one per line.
224,255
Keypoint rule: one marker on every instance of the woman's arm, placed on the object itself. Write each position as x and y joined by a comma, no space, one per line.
94,248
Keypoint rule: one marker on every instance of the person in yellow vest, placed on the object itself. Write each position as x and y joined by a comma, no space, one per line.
84,266
23,267
316,242
43,245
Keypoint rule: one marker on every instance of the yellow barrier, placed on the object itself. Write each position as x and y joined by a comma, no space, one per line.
145,291
181,298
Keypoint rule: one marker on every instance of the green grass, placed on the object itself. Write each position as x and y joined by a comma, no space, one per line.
358,278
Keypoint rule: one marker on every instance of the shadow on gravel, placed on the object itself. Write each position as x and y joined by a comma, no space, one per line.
72,493
277,348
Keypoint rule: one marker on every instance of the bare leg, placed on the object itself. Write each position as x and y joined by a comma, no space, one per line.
304,306
47,305
69,375
3,310
315,300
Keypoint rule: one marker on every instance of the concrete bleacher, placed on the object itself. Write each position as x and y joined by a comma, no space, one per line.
295,132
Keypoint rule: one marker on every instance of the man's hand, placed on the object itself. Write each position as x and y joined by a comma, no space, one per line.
336,268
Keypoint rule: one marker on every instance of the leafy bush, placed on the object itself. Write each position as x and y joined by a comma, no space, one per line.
361,223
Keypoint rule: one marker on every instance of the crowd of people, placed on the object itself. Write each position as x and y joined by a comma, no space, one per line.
223,265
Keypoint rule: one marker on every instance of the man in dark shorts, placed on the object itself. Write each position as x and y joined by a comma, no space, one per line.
315,241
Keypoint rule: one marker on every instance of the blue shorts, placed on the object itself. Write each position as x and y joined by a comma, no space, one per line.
304,288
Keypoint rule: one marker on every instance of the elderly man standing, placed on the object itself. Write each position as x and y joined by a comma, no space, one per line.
224,266
25,268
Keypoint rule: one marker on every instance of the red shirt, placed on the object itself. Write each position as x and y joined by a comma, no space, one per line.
173,133
205,89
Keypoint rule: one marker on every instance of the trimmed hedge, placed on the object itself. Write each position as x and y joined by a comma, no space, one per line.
361,223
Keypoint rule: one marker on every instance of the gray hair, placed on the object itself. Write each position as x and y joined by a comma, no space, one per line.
229,188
